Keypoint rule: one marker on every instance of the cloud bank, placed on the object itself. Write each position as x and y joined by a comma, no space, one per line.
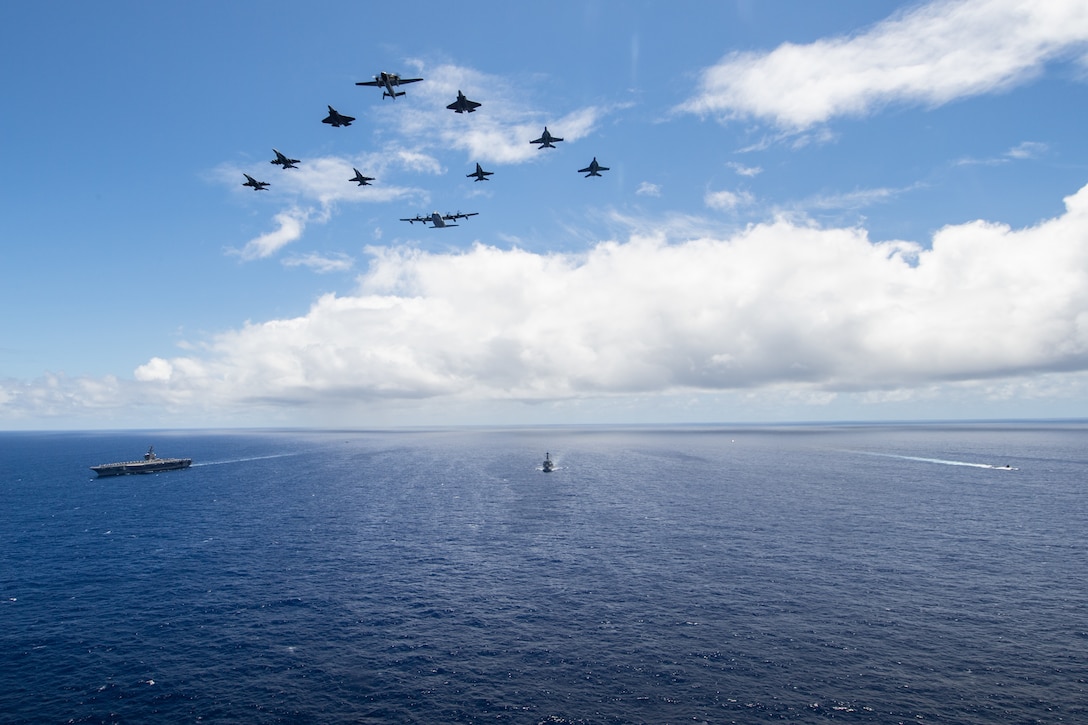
931,55
781,305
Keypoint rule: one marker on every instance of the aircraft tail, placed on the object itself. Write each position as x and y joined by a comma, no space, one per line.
393,95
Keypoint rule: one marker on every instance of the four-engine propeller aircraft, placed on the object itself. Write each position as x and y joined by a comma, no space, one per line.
257,185
439,220
363,180
546,140
337,119
480,174
388,81
284,161
594,169
463,105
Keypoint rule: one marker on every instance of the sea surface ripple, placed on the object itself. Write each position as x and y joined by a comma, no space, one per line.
660,575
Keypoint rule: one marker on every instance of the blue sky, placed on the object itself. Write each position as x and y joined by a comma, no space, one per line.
849,210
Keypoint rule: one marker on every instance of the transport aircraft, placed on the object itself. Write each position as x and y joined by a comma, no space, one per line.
438,221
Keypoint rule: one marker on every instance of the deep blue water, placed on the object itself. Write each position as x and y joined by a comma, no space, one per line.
855,574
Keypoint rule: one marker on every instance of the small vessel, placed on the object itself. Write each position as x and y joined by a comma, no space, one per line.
150,464
549,466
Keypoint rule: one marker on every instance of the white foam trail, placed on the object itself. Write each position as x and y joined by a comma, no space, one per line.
243,460
941,461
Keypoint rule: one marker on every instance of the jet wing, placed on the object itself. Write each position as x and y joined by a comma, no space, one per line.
336,118
286,162
363,180
379,83
462,104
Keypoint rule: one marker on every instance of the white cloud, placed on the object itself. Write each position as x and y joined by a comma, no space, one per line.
291,223
321,263
648,189
499,132
727,200
1027,150
930,55
856,199
743,170
1024,151
779,310
155,370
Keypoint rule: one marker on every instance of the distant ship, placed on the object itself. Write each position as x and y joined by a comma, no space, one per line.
548,465
150,464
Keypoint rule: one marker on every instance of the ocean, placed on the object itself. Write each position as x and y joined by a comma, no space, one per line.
677,574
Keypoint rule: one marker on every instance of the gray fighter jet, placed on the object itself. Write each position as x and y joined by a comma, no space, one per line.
463,105
337,119
257,185
284,161
438,221
363,180
546,140
480,174
388,81
594,169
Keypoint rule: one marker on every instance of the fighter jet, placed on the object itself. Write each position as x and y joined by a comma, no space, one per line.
546,140
462,104
480,174
363,180
439,220
388,81
284,161
337,119
257,185
594,169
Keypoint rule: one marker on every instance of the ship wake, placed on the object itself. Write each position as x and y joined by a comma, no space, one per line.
242,460
940,461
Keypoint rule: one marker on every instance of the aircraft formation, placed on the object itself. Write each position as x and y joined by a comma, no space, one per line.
389,83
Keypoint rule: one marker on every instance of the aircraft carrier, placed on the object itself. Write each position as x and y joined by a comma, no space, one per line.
150,464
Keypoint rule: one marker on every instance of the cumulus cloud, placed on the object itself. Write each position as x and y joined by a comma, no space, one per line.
648,189
781,308
930,55
777,303
155,369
